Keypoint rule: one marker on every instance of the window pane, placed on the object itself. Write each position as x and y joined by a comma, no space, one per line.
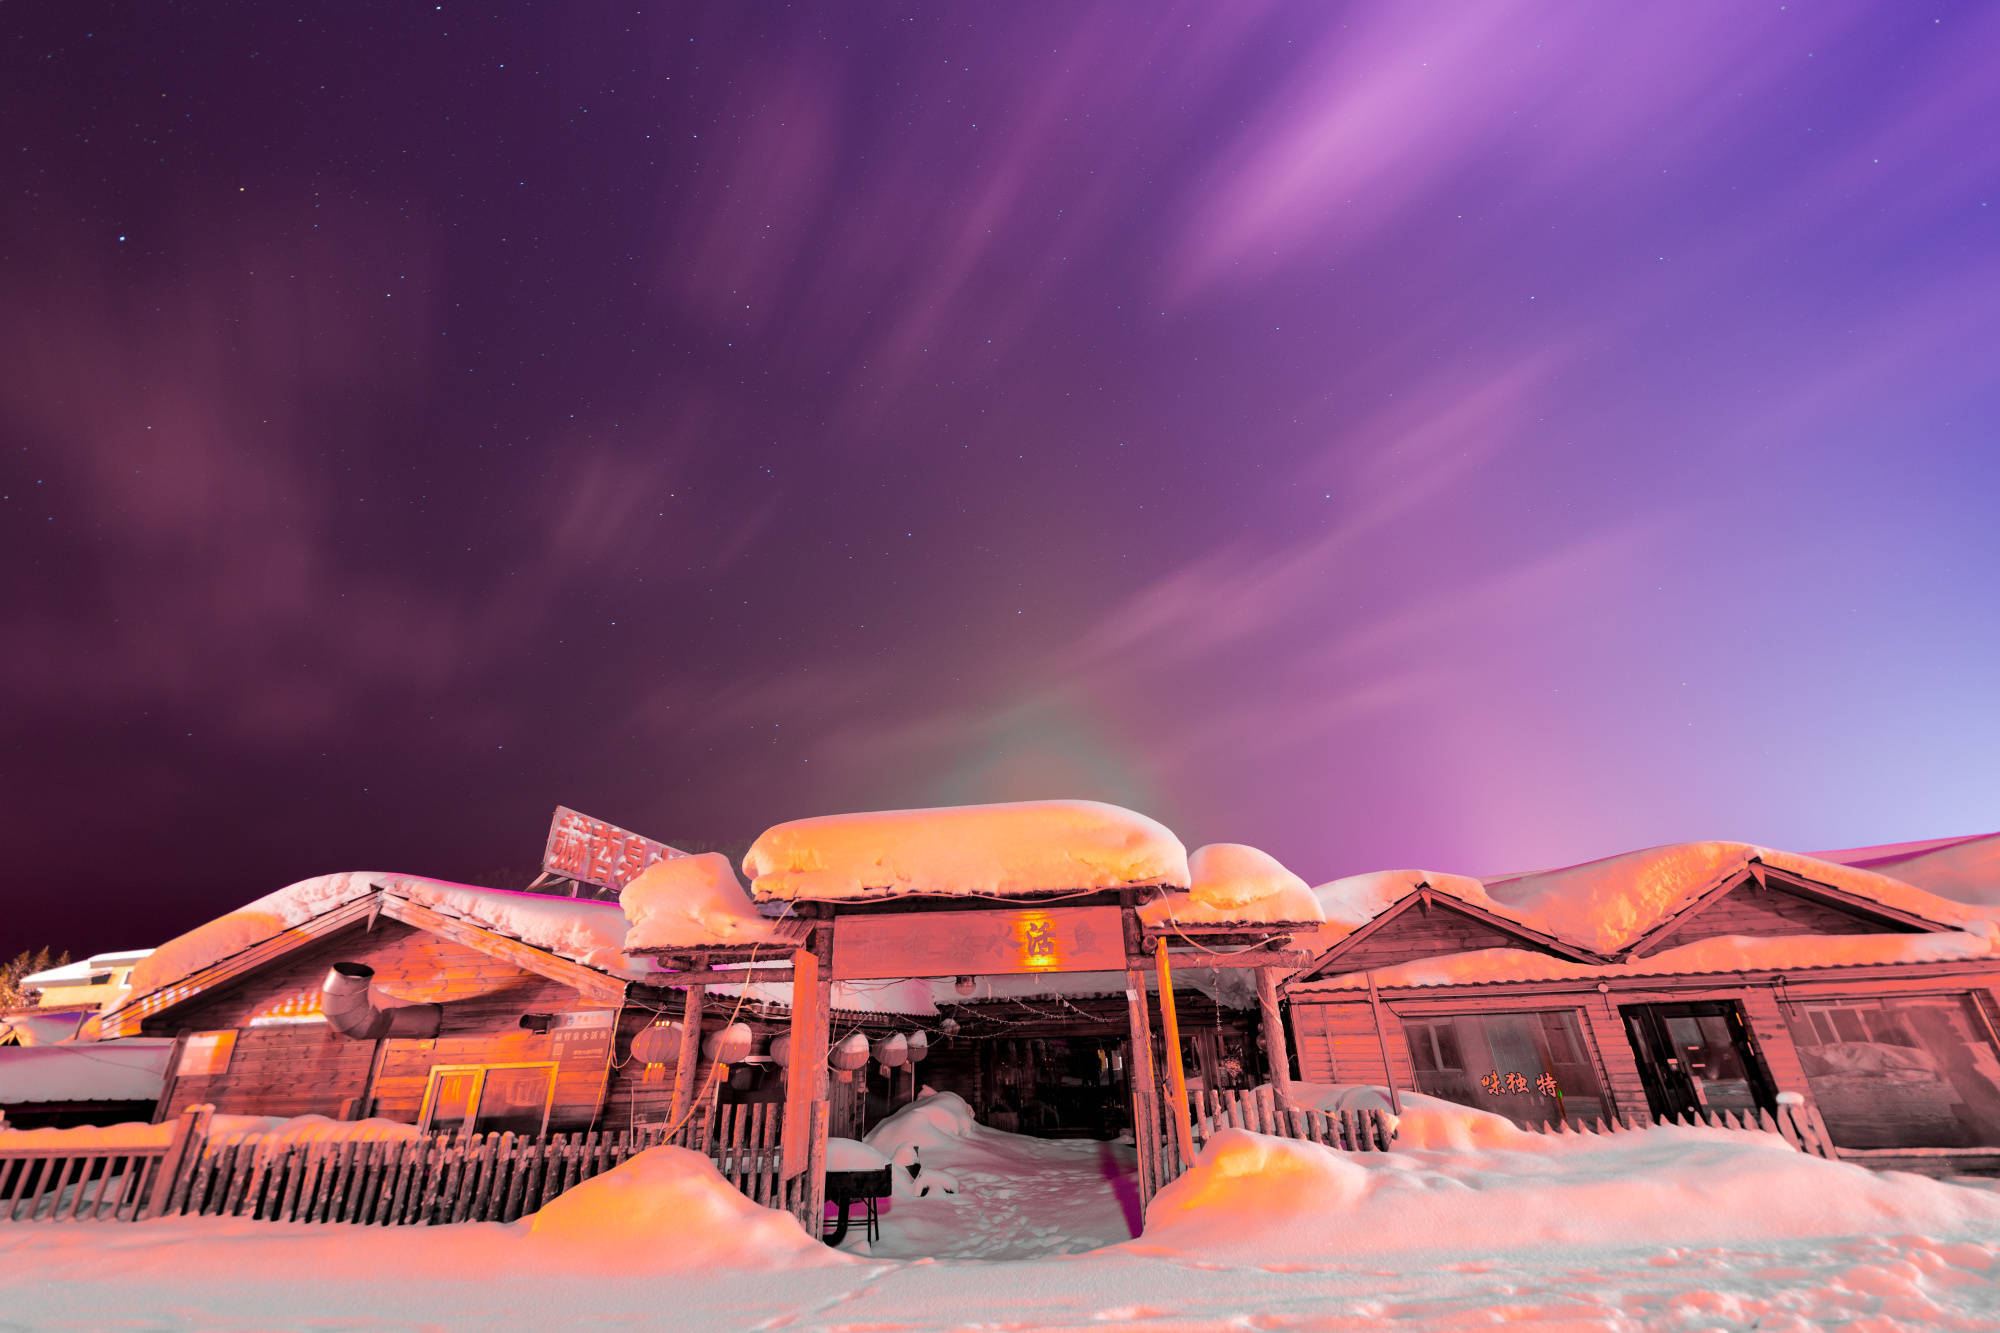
1423,1055
514,1099
1528,1067
1935,1085
451,1099
1448,1053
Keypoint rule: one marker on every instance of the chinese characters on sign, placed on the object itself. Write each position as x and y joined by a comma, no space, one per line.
591,851
1496,1083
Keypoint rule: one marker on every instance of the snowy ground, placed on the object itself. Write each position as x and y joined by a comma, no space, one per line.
1468,1224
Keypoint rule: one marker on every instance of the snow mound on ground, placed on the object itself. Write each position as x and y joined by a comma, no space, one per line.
853,1155
928,1122
670,1210
1259,1200
1001,850
1423,1121
1229,881
691,900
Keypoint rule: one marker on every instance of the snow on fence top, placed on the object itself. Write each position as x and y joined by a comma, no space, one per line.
1605,904
690,901
582,930
983,850
1233,883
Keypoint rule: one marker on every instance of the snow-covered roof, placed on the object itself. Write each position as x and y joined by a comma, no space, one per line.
1231,883
999,851
1720,953
690,902
1966,870
79,974
1607,904
100,1071
579,929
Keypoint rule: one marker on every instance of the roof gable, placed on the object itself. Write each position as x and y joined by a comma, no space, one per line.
1429,924
355,913
1764,900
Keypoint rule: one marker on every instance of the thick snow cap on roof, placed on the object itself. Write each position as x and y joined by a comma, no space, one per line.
687,901
1355,900
1607,904
989,850
1231,882
1966,870
579,929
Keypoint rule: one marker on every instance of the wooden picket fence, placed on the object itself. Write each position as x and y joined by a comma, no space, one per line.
1259,1110
77,1184
388,1182
1794,1121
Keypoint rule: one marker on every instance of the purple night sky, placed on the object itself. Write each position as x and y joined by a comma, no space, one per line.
1477,436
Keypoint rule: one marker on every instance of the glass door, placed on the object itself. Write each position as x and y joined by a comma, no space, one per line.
1698,1057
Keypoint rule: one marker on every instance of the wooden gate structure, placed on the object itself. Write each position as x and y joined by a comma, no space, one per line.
1048,934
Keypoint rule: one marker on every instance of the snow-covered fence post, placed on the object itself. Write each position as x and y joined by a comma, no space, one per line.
1801,1124
184,1147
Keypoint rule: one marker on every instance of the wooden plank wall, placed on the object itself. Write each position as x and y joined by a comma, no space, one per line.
1747,910
1337,1043
1416,934
307,1068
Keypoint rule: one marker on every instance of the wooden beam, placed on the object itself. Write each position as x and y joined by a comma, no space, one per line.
1140,1076
588,981
1171,1030
719,976
1260,958
805,1082
1272,1028
1382,1039
687,1069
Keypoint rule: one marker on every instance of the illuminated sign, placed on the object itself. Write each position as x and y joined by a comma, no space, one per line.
949,944
594,852
304,1006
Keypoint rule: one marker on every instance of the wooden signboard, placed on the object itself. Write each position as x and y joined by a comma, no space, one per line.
583,1037
949,944
206,1054
594,852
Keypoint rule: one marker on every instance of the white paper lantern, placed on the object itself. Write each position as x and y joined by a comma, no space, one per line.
890,1051
781,1050
729,1044
919,1044
849,1056
657,1045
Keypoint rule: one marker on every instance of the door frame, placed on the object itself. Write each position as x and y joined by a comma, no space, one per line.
1669,1087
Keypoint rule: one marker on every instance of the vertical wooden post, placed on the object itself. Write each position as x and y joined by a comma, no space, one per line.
805,1084
1144,1083
184,1147
1382,1040
1272,1027
687,1070
1171,1031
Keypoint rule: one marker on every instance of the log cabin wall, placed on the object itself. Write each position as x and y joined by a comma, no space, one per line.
290,1068
1748,910
1337,1043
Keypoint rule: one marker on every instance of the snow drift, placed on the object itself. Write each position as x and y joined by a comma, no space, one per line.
1257,1199
670,1210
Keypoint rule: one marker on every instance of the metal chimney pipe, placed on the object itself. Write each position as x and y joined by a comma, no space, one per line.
351,1007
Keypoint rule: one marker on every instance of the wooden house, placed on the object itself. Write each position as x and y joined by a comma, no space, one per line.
1679,981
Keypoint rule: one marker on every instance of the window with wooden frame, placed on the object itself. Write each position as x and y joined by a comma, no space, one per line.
1901,1071
489,1099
